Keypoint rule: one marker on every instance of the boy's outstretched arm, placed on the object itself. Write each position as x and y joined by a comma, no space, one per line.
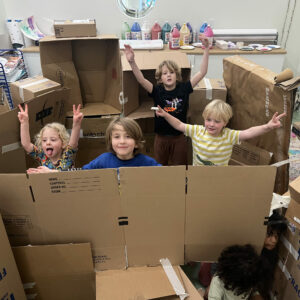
77,119
255,131
174,122
24,129
204,63
146,84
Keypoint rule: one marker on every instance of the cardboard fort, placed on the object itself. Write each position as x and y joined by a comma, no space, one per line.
29,88
90,67
137,103
43,109
74,28
152,214
254,98
10,283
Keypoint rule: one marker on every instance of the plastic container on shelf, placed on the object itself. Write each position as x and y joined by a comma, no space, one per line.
178,26
201,31
146,31
126,32
156,31
165,32
136,33
174,39
184,35
208,32
189,26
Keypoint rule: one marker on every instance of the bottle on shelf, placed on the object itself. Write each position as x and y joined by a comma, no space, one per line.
136,33
184,35
165,32
126,32
174,38
202,28
209,34
146,31
189,26
156,31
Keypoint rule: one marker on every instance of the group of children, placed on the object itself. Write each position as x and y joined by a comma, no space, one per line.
212,144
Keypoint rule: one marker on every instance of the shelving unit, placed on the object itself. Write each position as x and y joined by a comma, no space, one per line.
4,83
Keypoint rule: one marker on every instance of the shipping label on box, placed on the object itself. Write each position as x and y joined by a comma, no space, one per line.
75,28
29,88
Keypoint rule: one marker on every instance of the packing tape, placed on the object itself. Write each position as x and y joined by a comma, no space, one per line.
28,285
11,147
289,247
284,270
208,88
23,86
175,282
284,162
122,100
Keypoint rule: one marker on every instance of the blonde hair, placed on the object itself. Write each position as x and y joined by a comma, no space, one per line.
219,110
61,131
172,66
131,127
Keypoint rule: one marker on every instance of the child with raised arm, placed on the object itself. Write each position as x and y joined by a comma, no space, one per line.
124,140
170,93
213,142
54,149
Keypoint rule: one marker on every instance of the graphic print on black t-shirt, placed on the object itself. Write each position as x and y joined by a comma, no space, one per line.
173,105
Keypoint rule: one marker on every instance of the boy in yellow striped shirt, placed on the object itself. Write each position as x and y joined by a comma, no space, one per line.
213,142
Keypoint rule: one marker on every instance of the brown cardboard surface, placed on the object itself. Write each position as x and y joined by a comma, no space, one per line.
148,61
144,282
10,282
254,99
29,88
17,156
247,154
293,212
294,188
58,271
75,28
202,95
152,200
90,67
214,196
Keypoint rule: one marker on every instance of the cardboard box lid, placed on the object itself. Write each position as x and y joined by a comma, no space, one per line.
211,83
10,281
243,192
51,38
72,22
149,60
58,271
143,282
294,188
147,192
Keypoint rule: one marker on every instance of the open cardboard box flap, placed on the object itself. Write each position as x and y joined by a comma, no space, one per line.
90,67
141,283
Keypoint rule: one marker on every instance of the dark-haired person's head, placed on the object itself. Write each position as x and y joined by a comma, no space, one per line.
239,268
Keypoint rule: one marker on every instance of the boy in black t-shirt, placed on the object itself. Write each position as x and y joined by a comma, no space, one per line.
172,95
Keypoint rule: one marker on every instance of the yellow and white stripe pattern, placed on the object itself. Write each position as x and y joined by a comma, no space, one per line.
211,150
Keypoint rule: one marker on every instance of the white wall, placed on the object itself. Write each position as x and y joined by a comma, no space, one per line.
4,40
225,14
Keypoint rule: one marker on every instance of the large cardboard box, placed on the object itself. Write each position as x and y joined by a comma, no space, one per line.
204,92
294,188
74,28
141,215
29,88
58,272
10,283
90,67
43,109
254,98
137,103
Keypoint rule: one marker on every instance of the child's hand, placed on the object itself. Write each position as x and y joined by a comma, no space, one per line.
160,112
77,115
275,121
129,53
41,169
23,114
204,40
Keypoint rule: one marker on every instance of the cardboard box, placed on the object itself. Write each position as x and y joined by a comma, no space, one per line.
294,188
10,283
136,101
204,92
57,271
90,67
247,154
4,107
29,88
43,109
141,283
74,28
179,224
296,129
